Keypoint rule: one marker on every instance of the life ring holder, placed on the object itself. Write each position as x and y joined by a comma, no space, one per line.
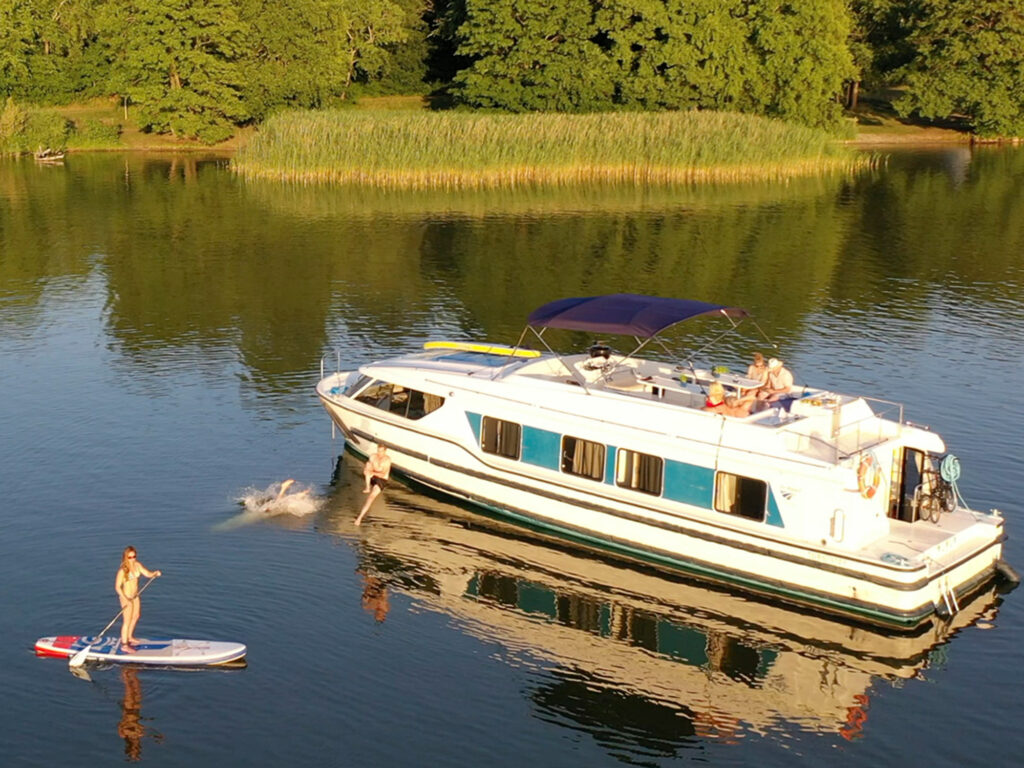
869,476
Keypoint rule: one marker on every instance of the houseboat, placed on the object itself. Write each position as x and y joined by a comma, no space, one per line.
815,497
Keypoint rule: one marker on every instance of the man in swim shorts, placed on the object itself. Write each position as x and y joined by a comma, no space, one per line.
375,476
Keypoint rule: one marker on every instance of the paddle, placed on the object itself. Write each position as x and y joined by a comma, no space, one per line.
79,658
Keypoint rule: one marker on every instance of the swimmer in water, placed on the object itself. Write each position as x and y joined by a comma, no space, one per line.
126,584
284,489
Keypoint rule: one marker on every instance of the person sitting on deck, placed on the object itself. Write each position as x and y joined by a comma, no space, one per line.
778,384
758,370
715,401
739,406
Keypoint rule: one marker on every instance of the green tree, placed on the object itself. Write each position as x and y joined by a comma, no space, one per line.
68,60
879,36
677,54
18,26
404,70
803,59
969,60
530,56
178,62
308,53
781,59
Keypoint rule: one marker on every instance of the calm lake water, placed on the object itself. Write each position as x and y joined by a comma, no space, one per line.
161,327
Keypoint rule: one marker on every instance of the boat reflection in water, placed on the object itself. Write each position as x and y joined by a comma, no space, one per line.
641,660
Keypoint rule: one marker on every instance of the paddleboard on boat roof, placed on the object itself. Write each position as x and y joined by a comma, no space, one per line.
157,651
485,349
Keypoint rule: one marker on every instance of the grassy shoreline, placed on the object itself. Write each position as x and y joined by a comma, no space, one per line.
314,147
423,150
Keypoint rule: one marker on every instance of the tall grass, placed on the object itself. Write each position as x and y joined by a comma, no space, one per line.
423,150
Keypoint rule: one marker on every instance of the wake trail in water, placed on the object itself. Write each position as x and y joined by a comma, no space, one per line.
277,499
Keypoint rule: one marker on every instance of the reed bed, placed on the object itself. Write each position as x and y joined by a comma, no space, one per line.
453,150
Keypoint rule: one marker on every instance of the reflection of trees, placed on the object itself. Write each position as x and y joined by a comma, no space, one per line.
932,222
271,274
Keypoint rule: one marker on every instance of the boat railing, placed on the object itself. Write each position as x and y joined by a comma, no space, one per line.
856,424
337,363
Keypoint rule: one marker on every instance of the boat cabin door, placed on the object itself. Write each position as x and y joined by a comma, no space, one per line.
910,473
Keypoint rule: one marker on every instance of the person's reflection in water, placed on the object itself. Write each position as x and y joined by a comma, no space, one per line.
130,727
375,596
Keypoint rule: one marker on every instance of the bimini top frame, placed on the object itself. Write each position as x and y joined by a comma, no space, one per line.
622,314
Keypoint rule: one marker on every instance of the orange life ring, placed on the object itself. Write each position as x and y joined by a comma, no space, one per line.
869,476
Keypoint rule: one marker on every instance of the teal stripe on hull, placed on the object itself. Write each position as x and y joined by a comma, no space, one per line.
475,420
872,615
541,448
774,516
689,484
866,613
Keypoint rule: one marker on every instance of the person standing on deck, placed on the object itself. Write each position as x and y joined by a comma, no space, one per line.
375,474
126,584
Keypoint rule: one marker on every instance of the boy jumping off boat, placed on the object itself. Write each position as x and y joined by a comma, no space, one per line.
375,477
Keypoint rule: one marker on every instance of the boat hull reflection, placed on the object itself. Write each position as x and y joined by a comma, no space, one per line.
711,663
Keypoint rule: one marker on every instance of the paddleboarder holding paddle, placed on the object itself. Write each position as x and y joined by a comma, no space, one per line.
126,584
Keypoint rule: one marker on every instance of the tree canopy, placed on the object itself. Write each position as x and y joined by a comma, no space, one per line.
201,68
969,60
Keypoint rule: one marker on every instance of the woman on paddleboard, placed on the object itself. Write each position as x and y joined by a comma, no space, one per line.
126,584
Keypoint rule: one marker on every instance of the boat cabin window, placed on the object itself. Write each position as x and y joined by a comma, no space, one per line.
500,437
409,403
377,394
738,495
359,383
583,458
639,471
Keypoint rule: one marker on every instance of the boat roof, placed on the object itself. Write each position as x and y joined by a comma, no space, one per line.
627,314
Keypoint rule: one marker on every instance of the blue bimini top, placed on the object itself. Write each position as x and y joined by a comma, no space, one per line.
627,314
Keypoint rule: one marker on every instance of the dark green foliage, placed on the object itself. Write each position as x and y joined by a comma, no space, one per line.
46,130
969,61
178,62
404,70
779,59
18,25
94,133
201,68
13,119
532,56
879,41
23,130
308,53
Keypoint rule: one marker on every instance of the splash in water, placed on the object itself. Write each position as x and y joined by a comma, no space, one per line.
276,499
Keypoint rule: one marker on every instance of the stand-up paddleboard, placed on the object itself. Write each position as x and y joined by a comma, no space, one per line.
159,651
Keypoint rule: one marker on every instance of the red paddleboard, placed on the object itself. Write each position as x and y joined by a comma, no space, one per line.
158,651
